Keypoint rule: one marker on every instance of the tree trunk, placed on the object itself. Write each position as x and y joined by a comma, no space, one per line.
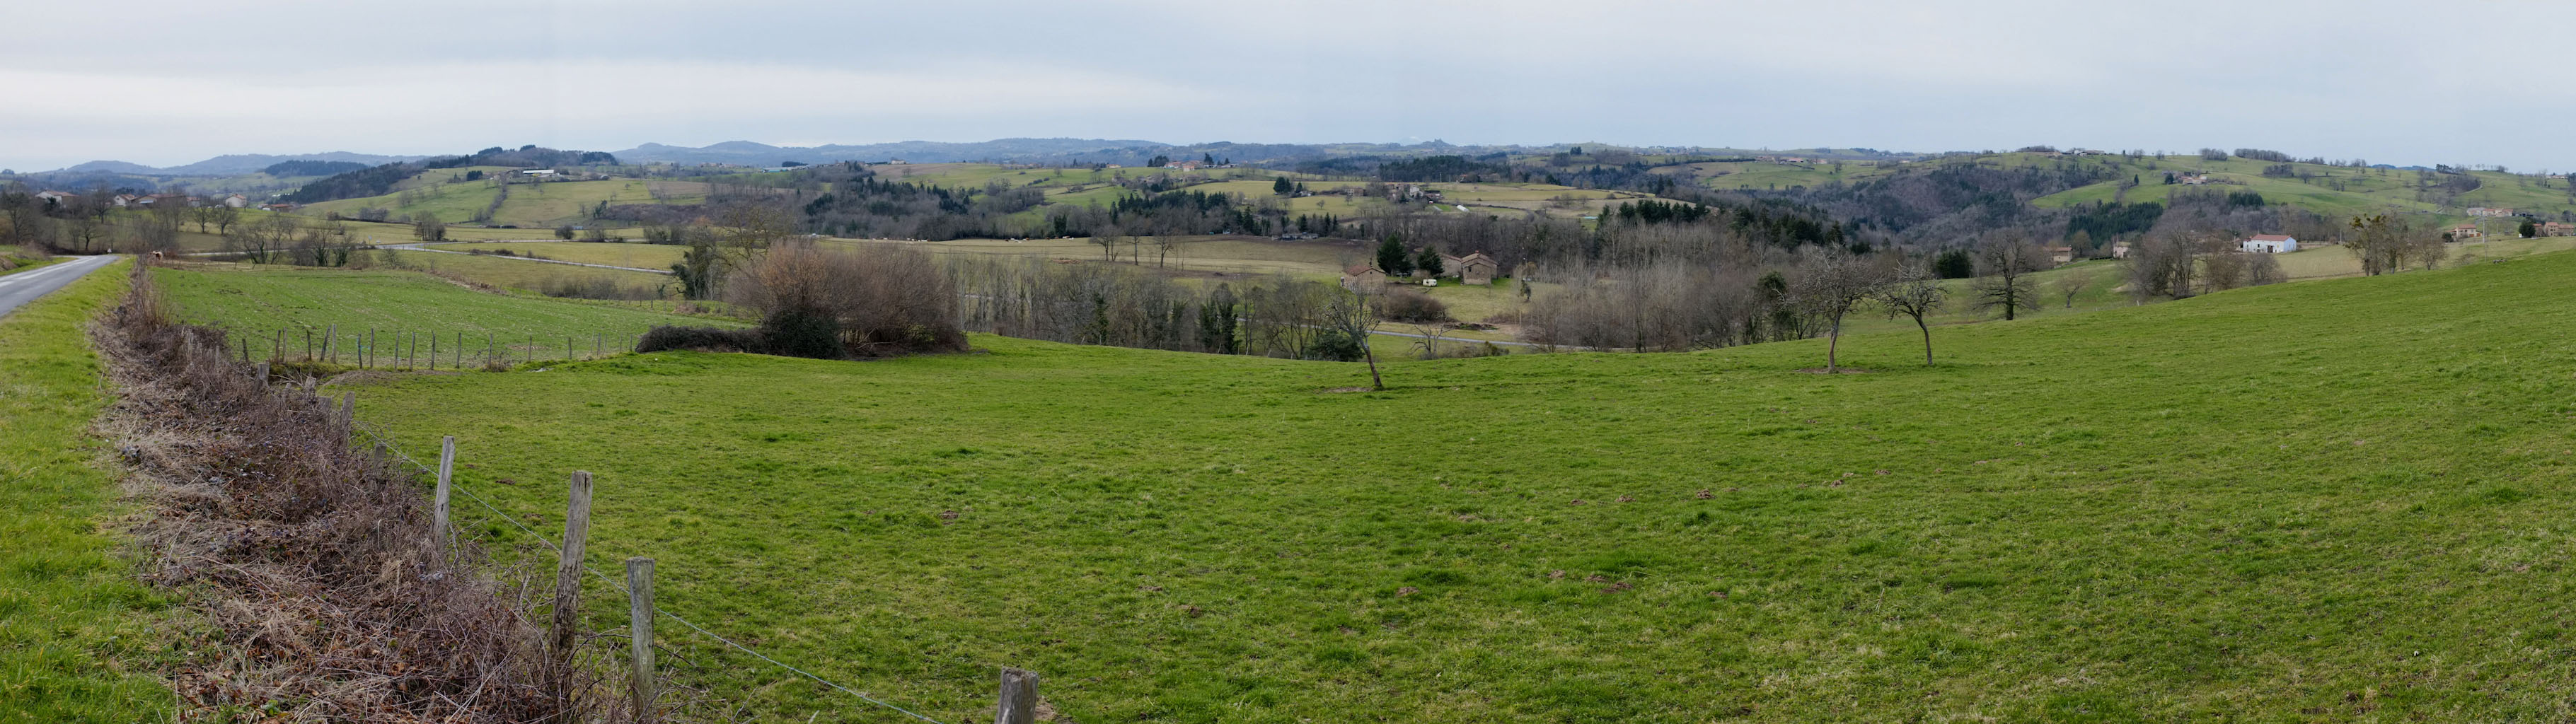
1927,340
1375,382
1833,342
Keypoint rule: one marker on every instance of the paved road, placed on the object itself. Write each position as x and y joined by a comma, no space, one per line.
26,286
418,247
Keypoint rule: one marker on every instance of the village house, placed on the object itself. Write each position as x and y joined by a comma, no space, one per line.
2120,250
237,201
1476,268
2270,244
2489,212
1363,278
2061,254
55,197
2466,231
122,200
2552,228
537,172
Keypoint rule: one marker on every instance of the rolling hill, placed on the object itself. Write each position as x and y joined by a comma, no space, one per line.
2345,497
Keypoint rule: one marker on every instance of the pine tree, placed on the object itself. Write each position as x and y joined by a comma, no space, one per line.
1283,186
1428,263
1392,259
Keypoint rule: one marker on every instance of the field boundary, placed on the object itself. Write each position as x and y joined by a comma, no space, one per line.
383,441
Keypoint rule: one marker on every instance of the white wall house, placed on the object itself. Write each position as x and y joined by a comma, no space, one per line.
2271,244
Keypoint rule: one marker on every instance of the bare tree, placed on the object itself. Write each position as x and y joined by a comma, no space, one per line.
262,240
2380,241
1349,313
1831,282
2005,262
1914,292
2071,284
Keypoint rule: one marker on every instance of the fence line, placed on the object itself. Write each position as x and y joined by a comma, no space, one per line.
384,441
412,350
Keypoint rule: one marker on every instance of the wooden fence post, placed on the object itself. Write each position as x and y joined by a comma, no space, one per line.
433,350
330,340
1019,704
446,473
348,415
639,623
277,350
568,579
261,371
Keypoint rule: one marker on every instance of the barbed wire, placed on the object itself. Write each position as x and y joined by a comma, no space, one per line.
384,441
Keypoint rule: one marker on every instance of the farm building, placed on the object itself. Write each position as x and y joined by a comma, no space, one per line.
1363,278
2488,212
2553,228
1476,268
2270,244
2466,231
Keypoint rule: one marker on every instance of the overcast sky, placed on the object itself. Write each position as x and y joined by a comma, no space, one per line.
2391,82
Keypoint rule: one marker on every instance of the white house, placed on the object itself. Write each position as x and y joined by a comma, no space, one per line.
2271,244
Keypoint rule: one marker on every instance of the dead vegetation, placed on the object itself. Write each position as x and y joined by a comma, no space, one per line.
313,560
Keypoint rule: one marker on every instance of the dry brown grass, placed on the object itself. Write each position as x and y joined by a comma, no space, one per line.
313,558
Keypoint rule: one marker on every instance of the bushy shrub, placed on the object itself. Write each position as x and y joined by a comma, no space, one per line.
1334,346
1406,305
801,332
880,301
596,287
701,339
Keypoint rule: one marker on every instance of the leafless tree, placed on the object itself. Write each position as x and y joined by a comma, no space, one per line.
2005,262
2071,284
1830,283
1915,291
1349,313
261,241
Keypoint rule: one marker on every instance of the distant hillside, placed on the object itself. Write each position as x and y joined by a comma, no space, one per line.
1036,150
229,164
760,154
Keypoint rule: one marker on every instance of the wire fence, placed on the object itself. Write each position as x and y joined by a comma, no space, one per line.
415,350
385,442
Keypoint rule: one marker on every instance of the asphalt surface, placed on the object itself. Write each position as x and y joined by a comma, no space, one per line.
26,286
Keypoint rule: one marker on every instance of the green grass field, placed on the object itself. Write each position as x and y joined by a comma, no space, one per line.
638,256
2347,500
535,208
260,301
80,635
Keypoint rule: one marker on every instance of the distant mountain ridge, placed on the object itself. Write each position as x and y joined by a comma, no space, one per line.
751,153
229,164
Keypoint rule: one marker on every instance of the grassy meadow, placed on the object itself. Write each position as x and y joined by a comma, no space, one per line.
258,301
634,256
2340,500
80,634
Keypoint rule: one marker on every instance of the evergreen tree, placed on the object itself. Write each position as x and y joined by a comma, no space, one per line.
1392,259
1283,186
1428,262
1954,264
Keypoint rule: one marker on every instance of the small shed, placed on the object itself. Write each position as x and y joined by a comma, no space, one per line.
1476,269
2270,244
